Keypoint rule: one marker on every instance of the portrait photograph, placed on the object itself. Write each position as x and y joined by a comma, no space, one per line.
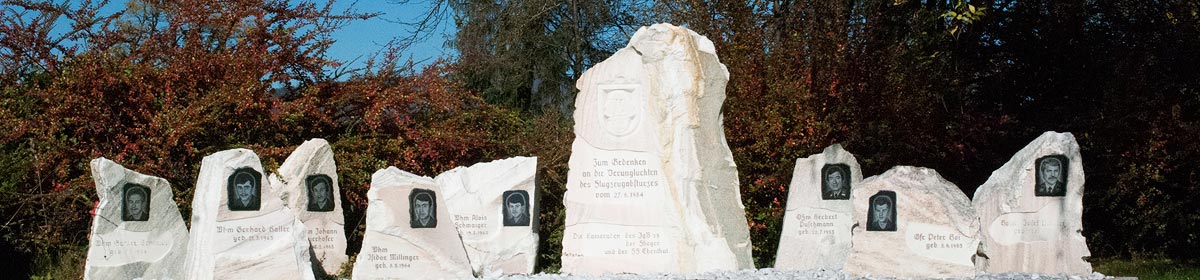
320,193
422,208
245,189
516,208
881,212
1051,175
135,203
835,182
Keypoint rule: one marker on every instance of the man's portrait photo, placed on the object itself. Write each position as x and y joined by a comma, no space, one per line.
136,202
245,189
516,208
881,212
422,208
1051,176
320,193
835,182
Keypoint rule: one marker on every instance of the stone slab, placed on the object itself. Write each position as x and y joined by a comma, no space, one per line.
309,180
137,231
910,222
819,214
241,228
1031,210
410,234
495,210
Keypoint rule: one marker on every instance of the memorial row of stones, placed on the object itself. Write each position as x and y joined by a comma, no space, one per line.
288,224
244,224
910,222
652,188
466,222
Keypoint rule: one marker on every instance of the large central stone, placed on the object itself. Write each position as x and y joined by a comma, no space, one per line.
652,185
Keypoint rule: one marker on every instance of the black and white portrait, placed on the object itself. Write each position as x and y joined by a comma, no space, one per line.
835,182
245,189
516,208
1051,176
422,208
320,193
881,212
136,202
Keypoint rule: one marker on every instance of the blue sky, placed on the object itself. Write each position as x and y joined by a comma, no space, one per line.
356,42
360,39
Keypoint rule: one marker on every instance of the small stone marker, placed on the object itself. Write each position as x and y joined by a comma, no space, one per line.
241,229
137,232
1031,210
652,185
912,223
493,207
309,176
410,234
816,225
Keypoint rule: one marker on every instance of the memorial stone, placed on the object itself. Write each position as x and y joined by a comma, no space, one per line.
310,182
1031,210
652,185
410,234
493,207
241,229
911,223
137,231
819,215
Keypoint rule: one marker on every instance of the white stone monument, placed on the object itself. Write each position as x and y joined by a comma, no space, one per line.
652,185
1031,210
241,229
819,215
494,208
911,223
410,234
310,182
137,231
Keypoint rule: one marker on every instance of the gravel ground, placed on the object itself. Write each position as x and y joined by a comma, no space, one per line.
770,273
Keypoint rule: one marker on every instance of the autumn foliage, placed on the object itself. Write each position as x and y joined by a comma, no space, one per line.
955,85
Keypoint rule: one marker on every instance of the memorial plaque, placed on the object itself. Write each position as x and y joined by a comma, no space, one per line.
1051,175
652,186
881,213
819,213
320,193
1031,210
403,239
491,205
241,228
911,223
136,203
422,208
309,179
137,231
245,189
516,208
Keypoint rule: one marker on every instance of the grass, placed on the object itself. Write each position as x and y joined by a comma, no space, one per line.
1148,269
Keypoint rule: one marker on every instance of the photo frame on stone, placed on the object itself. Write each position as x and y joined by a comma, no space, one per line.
515,208
320,193
1051,175
244,189
835,182
881,211
422,208
135,203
